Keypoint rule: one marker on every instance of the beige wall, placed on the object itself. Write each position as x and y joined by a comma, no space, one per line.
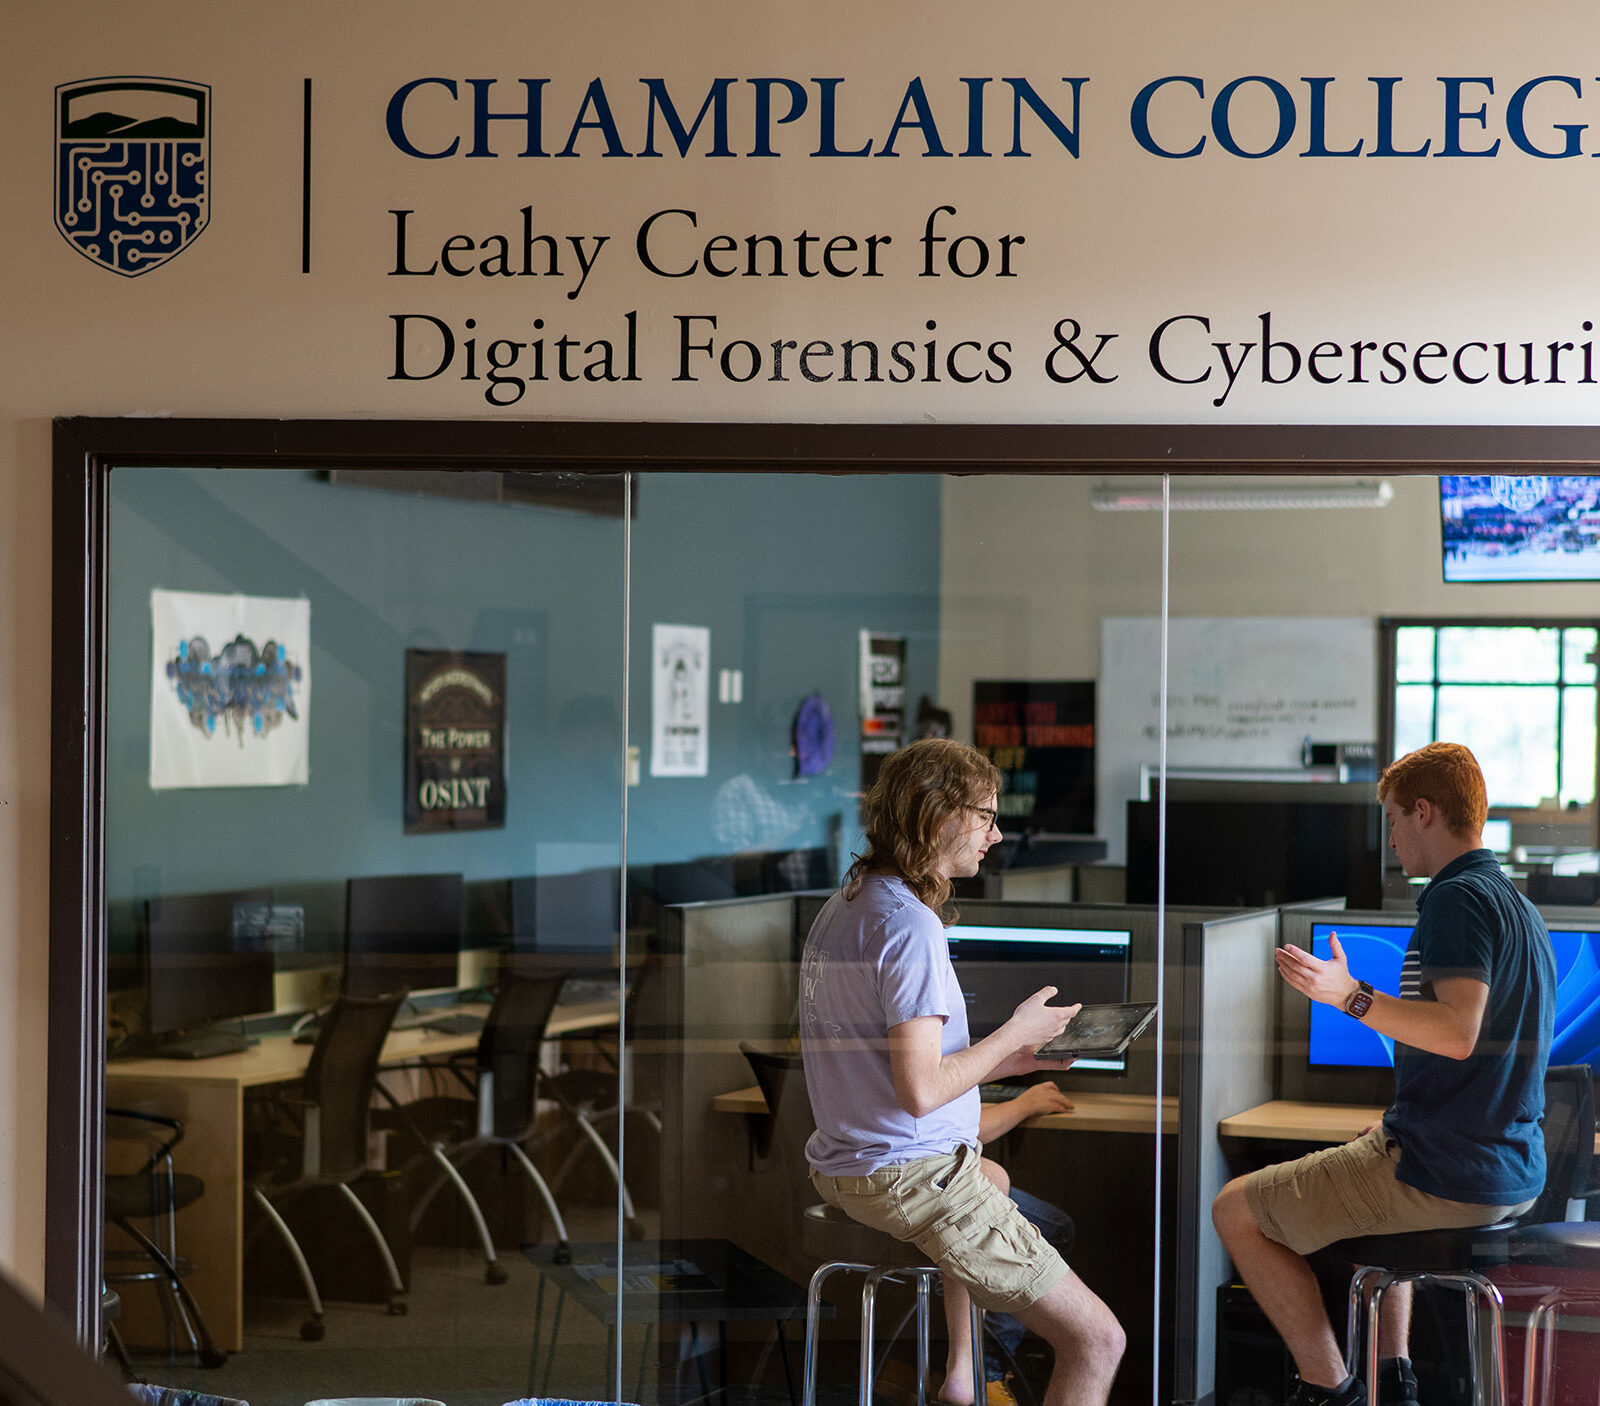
1118,239
1028,573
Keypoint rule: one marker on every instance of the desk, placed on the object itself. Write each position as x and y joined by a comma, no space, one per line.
208,1096
1287,1121
1091,1112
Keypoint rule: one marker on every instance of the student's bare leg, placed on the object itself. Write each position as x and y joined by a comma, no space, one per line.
1284,1286
1088,1342
957,1387
1394,1321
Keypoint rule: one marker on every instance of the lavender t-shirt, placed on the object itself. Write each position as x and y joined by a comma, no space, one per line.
870,963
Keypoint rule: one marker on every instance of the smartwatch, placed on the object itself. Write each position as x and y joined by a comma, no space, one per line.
1360,1000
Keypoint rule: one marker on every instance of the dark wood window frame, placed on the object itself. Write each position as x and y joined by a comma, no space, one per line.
85,451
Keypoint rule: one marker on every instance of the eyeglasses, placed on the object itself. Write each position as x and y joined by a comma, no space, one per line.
988,815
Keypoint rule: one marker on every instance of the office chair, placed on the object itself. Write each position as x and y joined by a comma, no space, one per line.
835,1243
593,1098
332,1111
1461,1258
154,1193
503,1085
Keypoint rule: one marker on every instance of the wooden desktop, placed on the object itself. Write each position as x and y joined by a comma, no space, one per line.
208,1096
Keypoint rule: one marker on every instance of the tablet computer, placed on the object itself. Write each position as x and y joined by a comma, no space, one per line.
1100,1031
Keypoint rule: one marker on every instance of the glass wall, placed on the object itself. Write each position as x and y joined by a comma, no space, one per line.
574,770
574,763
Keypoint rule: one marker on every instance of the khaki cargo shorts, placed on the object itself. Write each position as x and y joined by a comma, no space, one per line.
1339,1192
960,1220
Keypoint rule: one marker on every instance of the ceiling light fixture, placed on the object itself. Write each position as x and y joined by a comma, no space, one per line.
1200,497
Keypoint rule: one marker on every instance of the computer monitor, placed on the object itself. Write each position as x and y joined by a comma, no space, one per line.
1000,965
1577,1032
200,965
1258,845
402,932
570,919
1326,1057
1089,952
1497,835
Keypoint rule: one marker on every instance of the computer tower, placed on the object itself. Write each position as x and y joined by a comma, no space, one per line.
1253,1366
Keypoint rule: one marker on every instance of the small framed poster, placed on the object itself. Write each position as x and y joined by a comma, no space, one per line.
455,741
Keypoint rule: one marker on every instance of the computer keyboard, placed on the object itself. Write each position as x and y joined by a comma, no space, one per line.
582,990
999,1093
207,1046
454,1023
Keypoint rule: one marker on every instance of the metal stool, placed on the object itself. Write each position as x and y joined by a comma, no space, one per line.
1571,1245
1433,1257
840,1243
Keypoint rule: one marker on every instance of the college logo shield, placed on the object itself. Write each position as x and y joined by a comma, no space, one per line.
131,177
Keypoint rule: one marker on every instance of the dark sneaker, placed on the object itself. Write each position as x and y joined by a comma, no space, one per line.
1397,1383
1305,1394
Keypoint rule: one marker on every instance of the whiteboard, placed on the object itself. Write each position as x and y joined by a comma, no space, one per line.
1241,693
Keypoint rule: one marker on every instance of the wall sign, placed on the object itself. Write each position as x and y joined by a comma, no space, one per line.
1041,736
230,690
455,741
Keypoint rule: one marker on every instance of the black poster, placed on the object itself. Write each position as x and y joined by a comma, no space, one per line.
455,741
1041,736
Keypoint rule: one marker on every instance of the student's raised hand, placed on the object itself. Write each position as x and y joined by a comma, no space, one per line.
1326,981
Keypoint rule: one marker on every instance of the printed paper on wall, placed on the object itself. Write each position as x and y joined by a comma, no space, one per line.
680,666
230,690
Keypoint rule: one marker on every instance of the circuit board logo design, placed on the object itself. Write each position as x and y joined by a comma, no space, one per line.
131,169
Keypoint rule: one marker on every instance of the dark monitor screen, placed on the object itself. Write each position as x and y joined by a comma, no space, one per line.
1000,966
566,915
1257,853
200,964
402,932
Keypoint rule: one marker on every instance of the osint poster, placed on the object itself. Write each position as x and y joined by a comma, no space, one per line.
455,741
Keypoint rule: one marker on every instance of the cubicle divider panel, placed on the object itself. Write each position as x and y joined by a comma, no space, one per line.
729,976
1226,1019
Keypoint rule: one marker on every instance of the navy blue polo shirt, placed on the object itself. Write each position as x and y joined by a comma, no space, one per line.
1469,1129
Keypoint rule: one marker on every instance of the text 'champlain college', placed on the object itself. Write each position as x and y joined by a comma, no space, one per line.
1175,117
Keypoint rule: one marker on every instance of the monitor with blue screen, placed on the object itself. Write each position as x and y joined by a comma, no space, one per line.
1375,952
1330,1058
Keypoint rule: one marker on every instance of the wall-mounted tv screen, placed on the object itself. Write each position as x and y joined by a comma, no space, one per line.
1530,527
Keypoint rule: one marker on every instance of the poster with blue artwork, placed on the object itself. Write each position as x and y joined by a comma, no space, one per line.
230,690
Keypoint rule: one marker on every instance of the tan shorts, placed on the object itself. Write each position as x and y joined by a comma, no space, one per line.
960,1220
1340,1192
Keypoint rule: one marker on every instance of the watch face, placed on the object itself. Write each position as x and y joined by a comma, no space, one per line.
1360,1001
